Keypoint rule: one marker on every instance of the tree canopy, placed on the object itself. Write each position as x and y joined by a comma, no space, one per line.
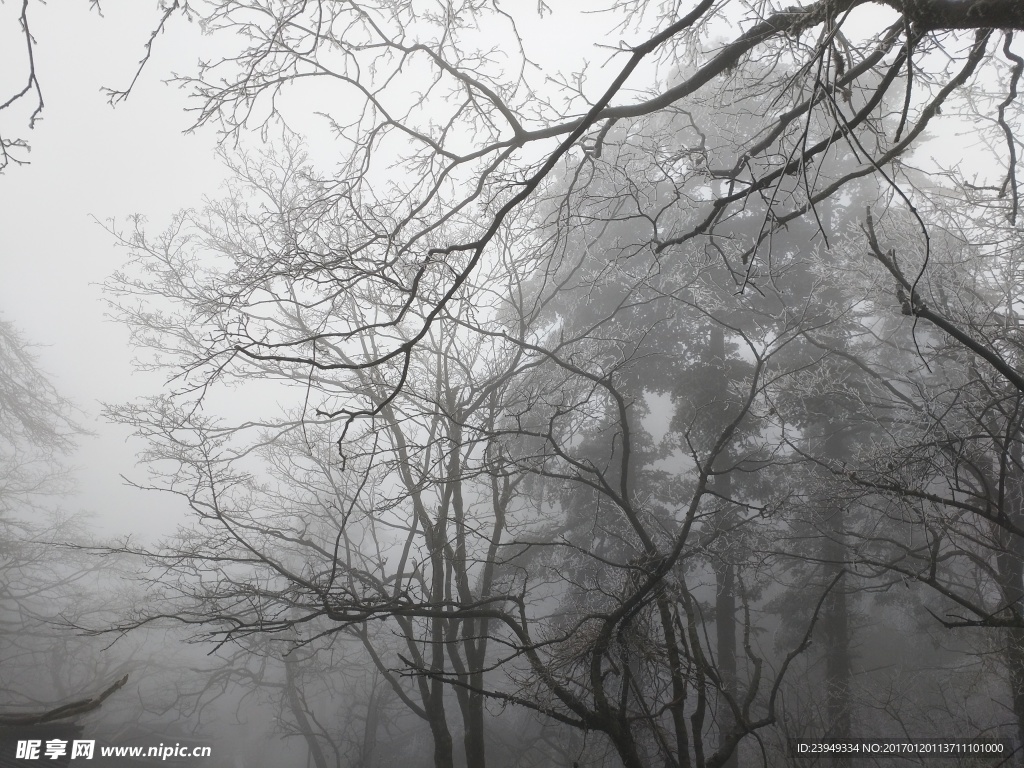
620,384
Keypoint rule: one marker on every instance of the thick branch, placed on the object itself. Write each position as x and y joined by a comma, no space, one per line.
67,710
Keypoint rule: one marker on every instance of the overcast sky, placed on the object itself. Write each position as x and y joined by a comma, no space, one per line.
89,160
92,162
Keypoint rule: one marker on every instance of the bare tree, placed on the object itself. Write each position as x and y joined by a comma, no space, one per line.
23,103
38,426
400,531
422,524
433,165
480,300
949,463
45,672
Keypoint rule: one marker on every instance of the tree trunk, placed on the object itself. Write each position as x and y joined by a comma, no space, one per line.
295,703
443,752
1010,566
725,577
677,708
622,737
1014,658
371,726
725,613
835,628
835,621
473,738
434,701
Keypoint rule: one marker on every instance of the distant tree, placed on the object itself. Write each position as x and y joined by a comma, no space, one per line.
37,427
45,671
379,544
948,460
448,132
419,525
483,295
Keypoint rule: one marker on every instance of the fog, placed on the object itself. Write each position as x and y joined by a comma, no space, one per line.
460,384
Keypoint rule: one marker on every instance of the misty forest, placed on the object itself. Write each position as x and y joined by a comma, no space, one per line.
651,412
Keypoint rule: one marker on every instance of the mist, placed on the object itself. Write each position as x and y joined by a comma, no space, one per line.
468,386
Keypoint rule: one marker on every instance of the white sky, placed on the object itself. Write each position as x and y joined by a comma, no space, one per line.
88,160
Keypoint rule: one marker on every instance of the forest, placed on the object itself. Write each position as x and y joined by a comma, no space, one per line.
658,410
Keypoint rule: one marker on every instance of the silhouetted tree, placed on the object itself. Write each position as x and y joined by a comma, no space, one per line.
469,317
46,673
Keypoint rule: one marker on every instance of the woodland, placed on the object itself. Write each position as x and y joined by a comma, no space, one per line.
652,414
